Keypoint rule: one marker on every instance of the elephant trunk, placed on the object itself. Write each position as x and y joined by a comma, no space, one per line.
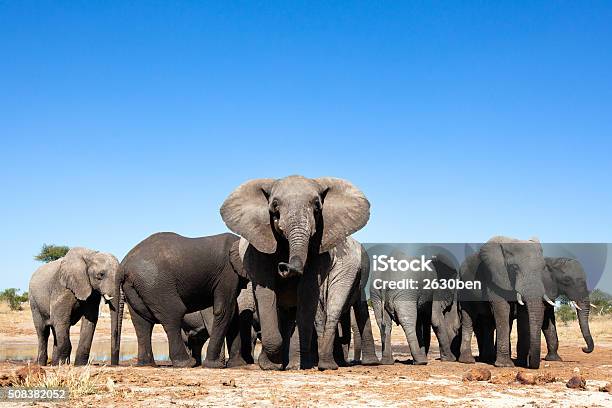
116,321
583,320
299,239
535,311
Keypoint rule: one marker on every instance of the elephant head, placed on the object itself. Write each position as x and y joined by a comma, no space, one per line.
565,276
516,268
84,271
297,212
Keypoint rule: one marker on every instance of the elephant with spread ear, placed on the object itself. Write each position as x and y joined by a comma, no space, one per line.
515,269
167,276
562,276
65,291
418,309
295,248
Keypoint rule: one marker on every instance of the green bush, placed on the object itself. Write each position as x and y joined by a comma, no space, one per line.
565,313
51,252
12,297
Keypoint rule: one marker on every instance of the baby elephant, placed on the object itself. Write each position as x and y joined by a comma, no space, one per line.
65,291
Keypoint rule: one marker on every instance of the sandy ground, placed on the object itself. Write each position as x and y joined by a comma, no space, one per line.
437,384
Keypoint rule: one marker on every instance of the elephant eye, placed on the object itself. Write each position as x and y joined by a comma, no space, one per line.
274,206
101,275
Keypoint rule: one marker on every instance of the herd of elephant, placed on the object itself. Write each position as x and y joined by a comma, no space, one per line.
296,280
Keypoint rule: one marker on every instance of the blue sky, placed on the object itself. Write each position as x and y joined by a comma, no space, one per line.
459,120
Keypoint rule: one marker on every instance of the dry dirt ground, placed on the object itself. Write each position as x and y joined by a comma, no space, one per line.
437,384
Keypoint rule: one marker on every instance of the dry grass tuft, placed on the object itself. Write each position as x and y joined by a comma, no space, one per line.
78,380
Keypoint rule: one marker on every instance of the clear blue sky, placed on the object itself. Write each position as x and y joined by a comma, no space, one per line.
459,120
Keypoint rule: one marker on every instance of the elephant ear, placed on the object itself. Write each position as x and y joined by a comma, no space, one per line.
345,210
246,213
73,272
492,254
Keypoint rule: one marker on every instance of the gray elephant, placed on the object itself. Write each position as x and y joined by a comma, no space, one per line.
296,248
514,275
65,291
417,309
167,276
562,276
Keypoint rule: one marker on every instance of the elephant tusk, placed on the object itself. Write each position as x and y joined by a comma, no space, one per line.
595,306
575,305
550,302
519,299
107,298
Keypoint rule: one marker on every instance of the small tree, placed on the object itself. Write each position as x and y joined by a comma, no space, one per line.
51,252
565,313
13,298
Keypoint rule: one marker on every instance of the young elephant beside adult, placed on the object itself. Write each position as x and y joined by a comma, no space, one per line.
167,276
65,291
197,327
296,248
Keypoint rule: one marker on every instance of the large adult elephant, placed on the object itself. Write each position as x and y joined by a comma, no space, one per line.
167,276
65,291
296,231
417,309
564,276
515,268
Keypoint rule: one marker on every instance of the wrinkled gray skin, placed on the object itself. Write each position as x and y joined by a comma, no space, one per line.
291,226
167,276
515,268
416,311
65,291
197,327
562,276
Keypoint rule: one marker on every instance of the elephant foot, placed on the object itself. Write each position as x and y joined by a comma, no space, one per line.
387,360
450,358
236,362
553,357
327,364
265,363
213,363
503,362
190,362
419,361
467,358
146,363
370,361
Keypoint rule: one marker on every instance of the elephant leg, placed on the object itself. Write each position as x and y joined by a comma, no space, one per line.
487,354
143,329
384,322
61,352
88,327
438,324
357,336
522,342
424,329
233,339
326,347
307,302
42,332
291,339
271,356
171,318
195,345
343,340
549,329
247,344
224,309
407,317
467,328
501,311
364,340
